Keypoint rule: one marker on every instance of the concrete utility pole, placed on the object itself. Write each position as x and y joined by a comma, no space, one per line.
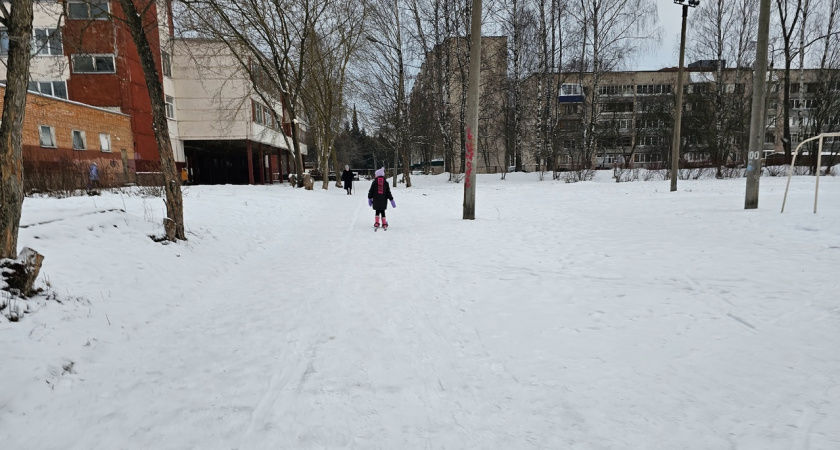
675,145
472,110
757,117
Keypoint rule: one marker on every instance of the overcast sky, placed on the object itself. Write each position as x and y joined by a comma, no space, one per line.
670,17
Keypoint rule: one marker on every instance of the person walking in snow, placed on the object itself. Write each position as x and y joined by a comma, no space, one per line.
378,197
93,176
347,179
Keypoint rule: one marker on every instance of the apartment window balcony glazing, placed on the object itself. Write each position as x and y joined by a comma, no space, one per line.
166,63
47,41
93,64
170,106
51,88
88,9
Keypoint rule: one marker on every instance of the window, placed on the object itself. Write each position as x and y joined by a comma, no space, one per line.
617,107
166,62
809,103
93,64
650,124
571,109
571,89
769,138
51,88
47,41
647,157
617,124
262,115
650,140
697,88
87,9
170,107
79,142
47,135
649,89
105,142
4,42
615,90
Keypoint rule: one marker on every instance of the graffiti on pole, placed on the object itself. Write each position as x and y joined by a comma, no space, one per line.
469,156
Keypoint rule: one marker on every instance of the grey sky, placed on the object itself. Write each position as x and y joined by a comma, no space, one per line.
667,53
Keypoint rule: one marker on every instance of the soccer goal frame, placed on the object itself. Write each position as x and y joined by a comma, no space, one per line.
820,136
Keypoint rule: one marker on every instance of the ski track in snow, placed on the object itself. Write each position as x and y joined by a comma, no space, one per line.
593,315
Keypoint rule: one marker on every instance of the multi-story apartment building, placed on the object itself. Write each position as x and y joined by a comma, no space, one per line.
85,54
627,119
224,127
813,108
437,105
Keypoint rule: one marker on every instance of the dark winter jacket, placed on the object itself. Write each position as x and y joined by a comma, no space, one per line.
380,192
347,178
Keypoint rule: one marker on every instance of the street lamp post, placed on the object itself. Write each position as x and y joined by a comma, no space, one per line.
675,146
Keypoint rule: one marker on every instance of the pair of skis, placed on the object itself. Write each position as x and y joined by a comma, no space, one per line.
376,228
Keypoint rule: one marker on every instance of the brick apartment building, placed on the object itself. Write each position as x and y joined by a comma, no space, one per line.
91,59
62,138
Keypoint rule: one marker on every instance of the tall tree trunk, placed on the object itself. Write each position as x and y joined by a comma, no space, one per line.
174,222
18,21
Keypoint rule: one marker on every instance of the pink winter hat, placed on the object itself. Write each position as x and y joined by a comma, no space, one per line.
380,172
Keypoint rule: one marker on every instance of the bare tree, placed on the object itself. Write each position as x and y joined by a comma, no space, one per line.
16,17
332,46
554,37
612,31
789,19
824,115
269,38
140,20
386,74
439,27
723,31
521,24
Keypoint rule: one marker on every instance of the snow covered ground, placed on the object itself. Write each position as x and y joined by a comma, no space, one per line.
593,315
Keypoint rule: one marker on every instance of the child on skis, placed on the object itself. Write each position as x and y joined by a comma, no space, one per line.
378,197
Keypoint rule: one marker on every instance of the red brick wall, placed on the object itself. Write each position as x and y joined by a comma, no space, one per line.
67,116
126,88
